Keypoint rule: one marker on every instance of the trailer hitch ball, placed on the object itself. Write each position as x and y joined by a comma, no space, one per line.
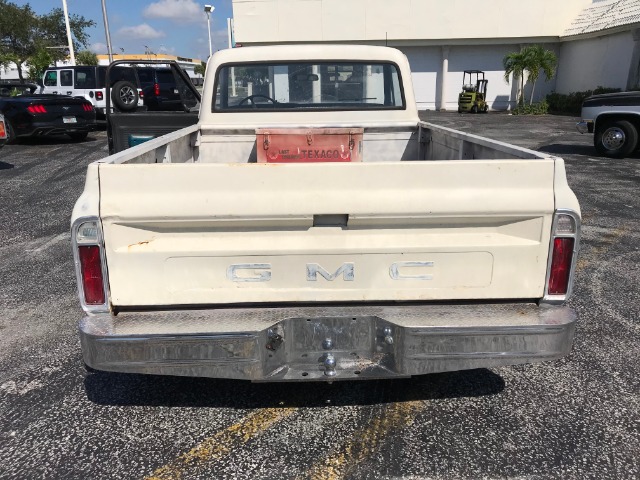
329,365
388,339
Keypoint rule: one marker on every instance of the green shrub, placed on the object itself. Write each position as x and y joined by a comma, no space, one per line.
571,104
540,108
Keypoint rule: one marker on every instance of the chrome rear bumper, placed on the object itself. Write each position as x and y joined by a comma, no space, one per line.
326,343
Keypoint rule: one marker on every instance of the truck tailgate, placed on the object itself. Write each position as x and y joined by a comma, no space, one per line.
197,234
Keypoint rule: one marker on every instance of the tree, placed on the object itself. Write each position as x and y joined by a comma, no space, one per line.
86,57
515,63
530,59
200,69
23,34
38,63
17,26
538,59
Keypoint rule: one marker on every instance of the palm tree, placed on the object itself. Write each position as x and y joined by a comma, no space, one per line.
515,63
538,58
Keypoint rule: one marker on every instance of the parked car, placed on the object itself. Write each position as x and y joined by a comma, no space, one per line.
29,114
614,119
163,91
3,131
89,82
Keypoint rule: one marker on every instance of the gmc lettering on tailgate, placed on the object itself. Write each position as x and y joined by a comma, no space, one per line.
261,272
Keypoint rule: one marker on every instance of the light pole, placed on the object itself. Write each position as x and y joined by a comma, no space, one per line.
106,30
208,9
66,21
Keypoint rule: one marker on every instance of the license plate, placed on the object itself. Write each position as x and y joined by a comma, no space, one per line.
69,120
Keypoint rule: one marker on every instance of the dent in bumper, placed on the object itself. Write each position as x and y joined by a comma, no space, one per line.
303,344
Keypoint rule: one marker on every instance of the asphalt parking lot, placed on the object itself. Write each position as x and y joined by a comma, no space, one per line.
575,418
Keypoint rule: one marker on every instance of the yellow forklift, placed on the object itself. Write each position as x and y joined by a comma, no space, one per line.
473,97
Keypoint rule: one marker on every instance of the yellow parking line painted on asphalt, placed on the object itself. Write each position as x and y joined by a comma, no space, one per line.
222,443
365,441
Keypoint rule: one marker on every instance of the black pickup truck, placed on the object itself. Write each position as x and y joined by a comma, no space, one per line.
614,119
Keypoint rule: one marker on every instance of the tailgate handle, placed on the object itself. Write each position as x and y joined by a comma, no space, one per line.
331,220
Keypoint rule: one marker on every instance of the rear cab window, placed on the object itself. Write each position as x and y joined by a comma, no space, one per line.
166,77
145,75
344,85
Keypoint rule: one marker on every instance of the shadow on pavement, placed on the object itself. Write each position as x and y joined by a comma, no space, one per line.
572,149
53,140
121,389
561,149
6,166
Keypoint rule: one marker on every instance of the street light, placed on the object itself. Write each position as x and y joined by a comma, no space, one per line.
66,21
208,9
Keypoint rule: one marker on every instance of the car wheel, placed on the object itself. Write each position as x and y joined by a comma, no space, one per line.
125,96
11,134
616,139
78,136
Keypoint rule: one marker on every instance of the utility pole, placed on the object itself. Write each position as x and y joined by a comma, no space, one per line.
66,21
106,30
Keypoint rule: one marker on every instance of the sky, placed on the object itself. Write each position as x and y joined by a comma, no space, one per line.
176,27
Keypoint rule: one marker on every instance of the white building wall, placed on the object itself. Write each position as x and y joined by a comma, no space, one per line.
588,63
278,21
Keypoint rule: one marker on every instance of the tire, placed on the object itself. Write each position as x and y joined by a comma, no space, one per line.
616,139
125,96
485,109
78,136
11,134
459,110
474,109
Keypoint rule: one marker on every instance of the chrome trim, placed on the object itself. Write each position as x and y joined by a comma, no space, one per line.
290,344
560,299
103,260
613,138
583,126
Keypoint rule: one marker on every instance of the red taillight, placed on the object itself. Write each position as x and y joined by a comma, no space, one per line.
156,89
99,96
87,107
91,271
560,271
3,130
36,109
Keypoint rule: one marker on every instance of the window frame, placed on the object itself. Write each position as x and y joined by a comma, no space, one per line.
315,107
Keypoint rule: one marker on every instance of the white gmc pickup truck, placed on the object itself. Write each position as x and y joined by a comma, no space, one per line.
311,227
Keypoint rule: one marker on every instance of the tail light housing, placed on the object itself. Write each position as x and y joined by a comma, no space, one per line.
37,108
99,95
156,89
87,107
563,253
90,262
3,129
